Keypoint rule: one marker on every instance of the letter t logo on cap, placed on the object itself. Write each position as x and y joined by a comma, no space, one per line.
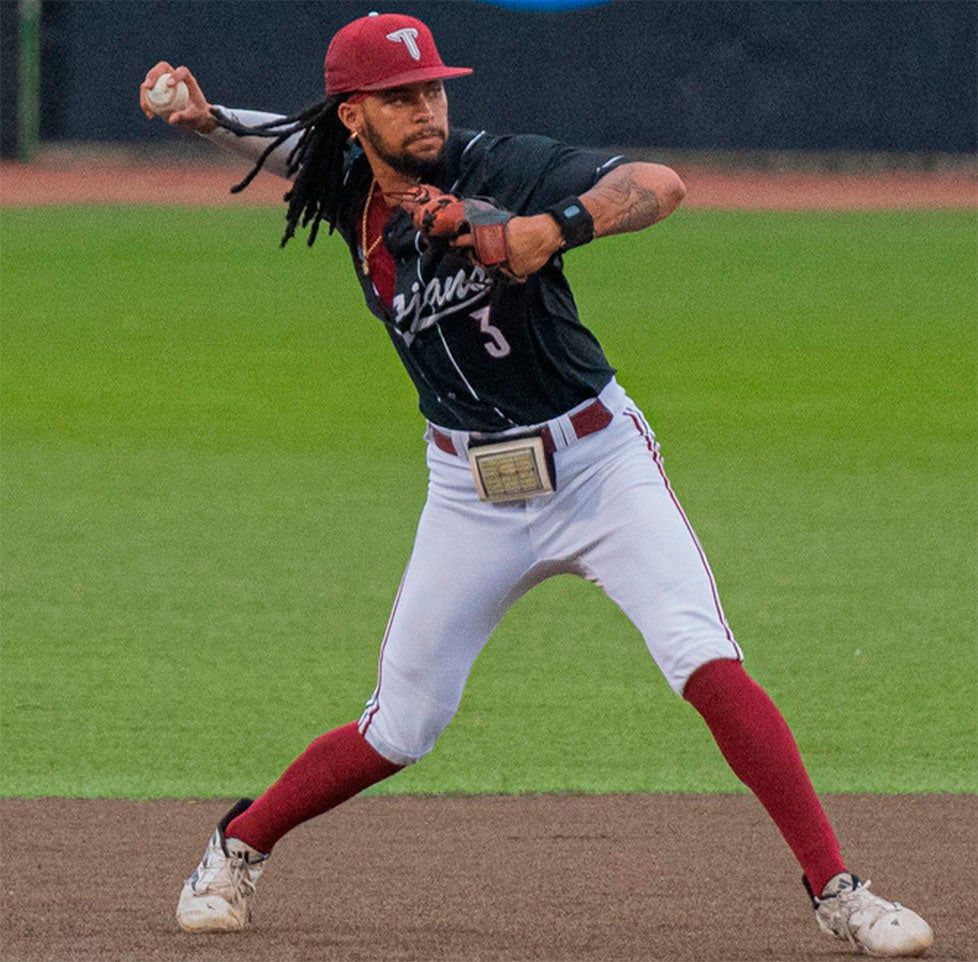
406,35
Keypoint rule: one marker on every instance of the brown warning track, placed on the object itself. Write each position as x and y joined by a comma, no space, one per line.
204,185
655,877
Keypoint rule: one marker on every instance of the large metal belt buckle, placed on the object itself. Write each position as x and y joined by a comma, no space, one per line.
511,470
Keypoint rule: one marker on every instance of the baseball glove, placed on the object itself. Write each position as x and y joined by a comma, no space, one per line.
463,223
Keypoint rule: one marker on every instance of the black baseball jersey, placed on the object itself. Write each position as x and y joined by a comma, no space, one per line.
486,353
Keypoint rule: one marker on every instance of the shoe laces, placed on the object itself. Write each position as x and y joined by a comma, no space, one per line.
863,898
227,875
239,875
232,881
849,910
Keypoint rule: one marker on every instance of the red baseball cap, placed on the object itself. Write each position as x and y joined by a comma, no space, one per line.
383,50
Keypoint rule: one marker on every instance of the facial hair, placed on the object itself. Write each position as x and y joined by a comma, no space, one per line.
423,168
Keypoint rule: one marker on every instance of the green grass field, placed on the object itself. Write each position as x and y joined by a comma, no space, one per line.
212,469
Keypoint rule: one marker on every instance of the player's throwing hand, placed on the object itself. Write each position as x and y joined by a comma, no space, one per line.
196,115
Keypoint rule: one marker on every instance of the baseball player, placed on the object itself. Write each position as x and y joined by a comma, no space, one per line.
539,462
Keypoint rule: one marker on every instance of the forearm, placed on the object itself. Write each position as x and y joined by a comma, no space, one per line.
251,147
629,198
633,197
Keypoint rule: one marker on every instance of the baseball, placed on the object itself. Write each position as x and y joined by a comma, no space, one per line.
164,100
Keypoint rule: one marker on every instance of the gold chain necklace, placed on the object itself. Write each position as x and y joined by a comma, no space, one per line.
364,250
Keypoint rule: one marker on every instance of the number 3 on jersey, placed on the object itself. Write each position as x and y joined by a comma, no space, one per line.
498,346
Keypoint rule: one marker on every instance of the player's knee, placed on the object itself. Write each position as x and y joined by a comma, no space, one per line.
403,719
683,663
404,739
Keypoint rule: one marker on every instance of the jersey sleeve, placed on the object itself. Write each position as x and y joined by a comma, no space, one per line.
527,174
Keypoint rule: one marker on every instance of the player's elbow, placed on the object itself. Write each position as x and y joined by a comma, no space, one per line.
667,186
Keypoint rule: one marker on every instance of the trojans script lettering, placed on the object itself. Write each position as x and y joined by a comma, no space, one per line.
438,298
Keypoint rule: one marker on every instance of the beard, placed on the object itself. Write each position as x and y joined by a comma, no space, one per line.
405,163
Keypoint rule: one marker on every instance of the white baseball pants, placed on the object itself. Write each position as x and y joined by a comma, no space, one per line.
613,520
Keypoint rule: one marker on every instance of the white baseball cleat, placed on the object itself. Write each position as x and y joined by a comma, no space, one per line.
217,897
847,910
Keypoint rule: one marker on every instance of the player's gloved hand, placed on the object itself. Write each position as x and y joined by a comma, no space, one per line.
495,238
464,223
196,115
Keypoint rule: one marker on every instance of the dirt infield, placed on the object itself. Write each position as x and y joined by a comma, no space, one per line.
205,185
657,877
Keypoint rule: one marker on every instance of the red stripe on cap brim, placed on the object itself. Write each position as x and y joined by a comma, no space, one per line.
419,75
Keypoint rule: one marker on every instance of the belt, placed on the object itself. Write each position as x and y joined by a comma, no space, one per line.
589,420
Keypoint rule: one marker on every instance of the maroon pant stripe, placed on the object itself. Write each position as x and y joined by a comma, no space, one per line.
649,443
365,723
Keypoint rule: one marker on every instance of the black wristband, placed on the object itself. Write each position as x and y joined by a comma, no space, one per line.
575,223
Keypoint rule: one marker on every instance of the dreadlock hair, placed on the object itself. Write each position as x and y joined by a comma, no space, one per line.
316,194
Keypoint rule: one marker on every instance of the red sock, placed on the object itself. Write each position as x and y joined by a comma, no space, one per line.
332,769
758,745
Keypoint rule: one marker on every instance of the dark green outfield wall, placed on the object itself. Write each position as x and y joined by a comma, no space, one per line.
865,76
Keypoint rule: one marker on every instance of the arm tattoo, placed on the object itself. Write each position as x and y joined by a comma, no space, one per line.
619,203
